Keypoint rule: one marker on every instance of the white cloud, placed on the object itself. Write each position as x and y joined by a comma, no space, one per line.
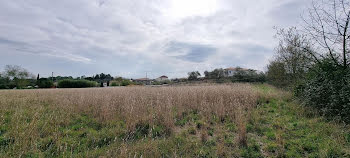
132,37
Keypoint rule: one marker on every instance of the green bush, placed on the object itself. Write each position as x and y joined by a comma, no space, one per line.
45,83
122,82
114,84
68,83
156,83
3,86
327,89
126,82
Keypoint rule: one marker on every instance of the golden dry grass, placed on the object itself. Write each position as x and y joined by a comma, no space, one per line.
46,122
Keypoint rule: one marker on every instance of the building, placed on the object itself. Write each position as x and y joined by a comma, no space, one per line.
162,79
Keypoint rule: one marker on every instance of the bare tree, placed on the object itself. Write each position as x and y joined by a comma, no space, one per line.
294,50
327,25
16,72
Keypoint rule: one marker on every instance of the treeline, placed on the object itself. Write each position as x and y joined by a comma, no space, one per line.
69,83
16,77
221,75
314,61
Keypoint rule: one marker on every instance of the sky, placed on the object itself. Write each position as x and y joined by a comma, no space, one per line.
130,38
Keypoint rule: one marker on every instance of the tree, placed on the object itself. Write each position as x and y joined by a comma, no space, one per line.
327,24
276,74
193,75
102,76
4,81
217,74
45,83
295,52
16,72
17,76
206,74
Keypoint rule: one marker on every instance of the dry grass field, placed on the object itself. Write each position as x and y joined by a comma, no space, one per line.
236,120
83,122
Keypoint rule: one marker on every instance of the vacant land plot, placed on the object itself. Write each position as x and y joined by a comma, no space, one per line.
183,121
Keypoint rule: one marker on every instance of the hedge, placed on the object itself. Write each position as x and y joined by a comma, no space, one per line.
327,89
69,83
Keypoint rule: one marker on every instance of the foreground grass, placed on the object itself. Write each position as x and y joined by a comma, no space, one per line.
199,121
280,127
185,121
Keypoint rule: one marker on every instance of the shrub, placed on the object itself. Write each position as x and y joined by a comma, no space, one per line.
68,83
156,83
126,82
3,86
45,83
327,89
114,84
121,82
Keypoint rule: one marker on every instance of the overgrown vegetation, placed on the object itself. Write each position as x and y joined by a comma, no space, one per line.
281,127
314,62
15,77
182,121
327,89
45,83
120,82
76,83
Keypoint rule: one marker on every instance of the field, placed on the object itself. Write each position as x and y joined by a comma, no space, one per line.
235,120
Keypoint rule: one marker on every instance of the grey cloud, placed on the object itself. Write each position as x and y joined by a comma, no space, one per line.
190,52
131,37
10,42
289,13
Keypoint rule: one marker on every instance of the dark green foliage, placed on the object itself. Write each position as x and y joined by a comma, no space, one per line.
252,151
141,131
114,84
159,131
193,75
248,76
101,77
121,82
67,83
241,75
4,82
3,86
327,89
126,82
215,74
45,83
187,117
277,74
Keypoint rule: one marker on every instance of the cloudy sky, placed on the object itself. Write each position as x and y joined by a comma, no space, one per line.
131,37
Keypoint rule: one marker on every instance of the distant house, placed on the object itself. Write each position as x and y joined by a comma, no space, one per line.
229,72
145,81
162,78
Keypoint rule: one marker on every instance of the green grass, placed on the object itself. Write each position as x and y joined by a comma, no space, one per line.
278,127
286,129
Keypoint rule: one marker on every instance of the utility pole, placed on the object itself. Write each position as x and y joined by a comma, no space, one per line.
52,76
146,74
